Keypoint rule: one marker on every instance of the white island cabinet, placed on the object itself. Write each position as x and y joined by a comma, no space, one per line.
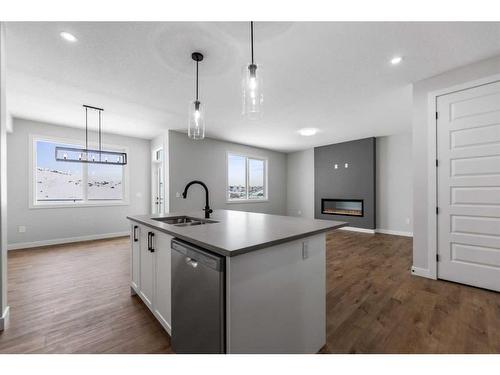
276,299
150,270
274,275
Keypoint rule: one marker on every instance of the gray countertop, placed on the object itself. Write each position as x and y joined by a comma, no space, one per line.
239,232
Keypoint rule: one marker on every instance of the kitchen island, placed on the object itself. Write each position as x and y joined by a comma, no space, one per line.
274,275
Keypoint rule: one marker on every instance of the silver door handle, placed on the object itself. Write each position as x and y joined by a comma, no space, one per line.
191,262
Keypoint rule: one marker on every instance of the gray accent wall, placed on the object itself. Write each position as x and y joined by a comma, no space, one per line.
355,182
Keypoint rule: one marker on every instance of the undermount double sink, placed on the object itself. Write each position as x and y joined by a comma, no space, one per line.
184,221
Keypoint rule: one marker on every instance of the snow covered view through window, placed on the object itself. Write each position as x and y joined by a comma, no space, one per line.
245,178
65,181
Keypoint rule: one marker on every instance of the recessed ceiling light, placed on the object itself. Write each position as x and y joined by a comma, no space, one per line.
68,36
307,132
396,60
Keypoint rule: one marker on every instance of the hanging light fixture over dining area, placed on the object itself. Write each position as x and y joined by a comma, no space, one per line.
86,155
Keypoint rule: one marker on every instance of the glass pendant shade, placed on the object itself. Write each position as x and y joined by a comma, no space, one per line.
253,96
196,116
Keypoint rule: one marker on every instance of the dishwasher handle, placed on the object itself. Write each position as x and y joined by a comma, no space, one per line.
193,263
197,257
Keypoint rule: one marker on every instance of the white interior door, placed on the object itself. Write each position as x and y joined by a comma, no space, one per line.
468,145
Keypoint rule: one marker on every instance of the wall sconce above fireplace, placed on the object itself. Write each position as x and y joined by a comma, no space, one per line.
336,165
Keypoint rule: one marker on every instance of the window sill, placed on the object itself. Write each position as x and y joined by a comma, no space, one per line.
247,201
76,205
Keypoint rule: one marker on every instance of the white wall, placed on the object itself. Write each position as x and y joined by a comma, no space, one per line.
3,184
394,203
44,225
421,91
300,184
205,160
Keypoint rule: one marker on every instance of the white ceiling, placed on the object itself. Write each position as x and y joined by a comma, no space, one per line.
333,76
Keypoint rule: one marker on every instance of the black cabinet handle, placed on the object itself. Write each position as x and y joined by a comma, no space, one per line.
152,248
135,233
150,241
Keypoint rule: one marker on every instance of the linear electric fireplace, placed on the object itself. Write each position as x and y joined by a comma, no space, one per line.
347,207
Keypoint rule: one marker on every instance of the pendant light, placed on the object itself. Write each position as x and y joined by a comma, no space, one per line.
253,97
196,110
86,155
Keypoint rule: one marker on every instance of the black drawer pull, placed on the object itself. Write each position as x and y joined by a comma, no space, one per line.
150,242
135,233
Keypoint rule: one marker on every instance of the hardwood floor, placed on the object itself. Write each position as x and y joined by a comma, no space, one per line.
374,304
76,299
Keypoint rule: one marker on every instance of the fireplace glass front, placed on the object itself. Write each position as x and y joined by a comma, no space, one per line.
347,207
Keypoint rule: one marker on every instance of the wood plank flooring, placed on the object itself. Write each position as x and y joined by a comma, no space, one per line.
374,304
75,299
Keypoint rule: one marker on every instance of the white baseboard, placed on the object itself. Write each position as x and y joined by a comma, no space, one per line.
58,241
394,232
378,230
362,230
422,272
4,319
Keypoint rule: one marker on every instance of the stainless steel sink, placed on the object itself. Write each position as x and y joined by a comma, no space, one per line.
184,221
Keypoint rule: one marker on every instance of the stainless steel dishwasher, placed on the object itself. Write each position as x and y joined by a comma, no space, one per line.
198,300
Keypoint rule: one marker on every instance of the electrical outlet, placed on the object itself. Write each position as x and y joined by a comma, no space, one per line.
178,195
21,229
407,220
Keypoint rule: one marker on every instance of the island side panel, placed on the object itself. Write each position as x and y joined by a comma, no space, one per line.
276,298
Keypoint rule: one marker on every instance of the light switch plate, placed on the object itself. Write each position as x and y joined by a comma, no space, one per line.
21,229
305,250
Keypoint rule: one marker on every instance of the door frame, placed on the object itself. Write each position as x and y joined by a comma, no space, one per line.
432,192
154,164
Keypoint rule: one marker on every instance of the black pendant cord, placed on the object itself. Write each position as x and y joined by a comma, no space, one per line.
100,148
86,129
251,38
99,110
197,80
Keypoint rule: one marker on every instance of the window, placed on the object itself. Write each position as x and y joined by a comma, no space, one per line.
105,182
70,183
246,178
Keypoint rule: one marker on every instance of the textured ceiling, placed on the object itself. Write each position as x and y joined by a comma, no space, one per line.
333,76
